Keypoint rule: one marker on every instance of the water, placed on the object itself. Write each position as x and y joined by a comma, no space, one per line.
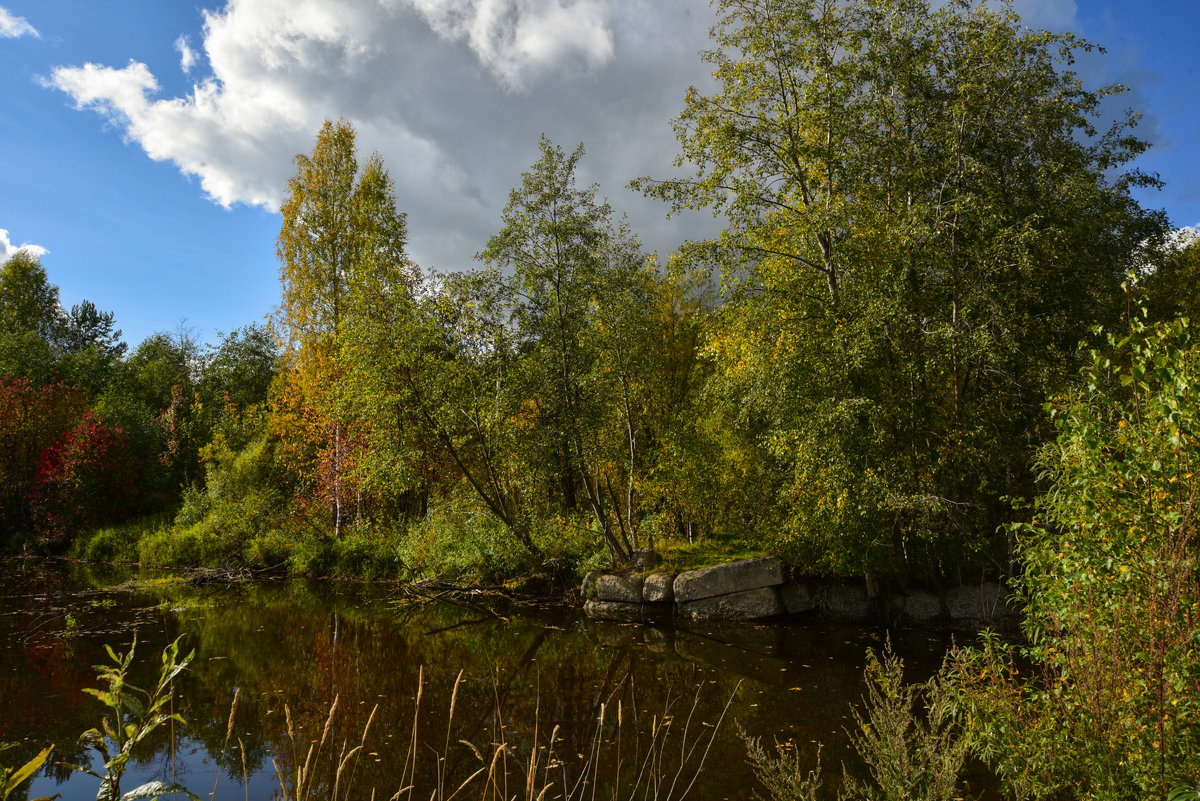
291,647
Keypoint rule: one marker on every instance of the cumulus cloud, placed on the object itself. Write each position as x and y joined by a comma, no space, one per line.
514,37
452,93
12,26
8,249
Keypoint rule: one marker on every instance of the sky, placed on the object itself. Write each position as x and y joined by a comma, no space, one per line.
145,145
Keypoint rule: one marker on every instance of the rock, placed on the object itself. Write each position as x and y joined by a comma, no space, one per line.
746,605
614,610
795,598
627,589
846,603
589,583
659,588
735,577
919,606
977,604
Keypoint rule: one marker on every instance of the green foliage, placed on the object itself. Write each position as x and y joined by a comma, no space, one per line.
341,240
240,369
1169,289
12,778
133,715
906,737
784,774
1111,590
922,225
31,320
119,542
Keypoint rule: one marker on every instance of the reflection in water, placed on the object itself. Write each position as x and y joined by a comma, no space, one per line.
290,648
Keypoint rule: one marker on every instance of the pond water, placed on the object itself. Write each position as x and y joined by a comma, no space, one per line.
626,707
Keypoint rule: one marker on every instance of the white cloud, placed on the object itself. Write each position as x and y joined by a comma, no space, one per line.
8,249
513,37
187,56
452,93
12,26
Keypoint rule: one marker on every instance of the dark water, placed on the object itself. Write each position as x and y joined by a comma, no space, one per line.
525,671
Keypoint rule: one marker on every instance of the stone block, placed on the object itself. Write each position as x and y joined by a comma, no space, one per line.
796,598
588,590
659,588
919,606
614,610
627,589
746,605
846,603
977,604
747,574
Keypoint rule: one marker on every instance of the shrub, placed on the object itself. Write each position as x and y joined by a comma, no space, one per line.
1111,589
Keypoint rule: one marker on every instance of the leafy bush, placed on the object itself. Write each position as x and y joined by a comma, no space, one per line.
1111,591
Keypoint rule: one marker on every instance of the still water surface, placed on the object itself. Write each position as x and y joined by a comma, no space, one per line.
291,648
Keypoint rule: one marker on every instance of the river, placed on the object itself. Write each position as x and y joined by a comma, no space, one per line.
537,678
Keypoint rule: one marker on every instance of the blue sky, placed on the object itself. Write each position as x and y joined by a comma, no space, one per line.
150,178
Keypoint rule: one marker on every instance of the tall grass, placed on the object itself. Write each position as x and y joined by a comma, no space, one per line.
625,758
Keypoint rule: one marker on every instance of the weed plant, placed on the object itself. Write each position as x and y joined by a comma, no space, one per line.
906,737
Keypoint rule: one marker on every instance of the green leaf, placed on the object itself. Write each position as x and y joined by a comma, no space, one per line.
25,771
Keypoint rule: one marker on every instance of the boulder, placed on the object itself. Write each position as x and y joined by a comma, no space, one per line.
614,610
627,589
734,577
846,603
588,590
796,598
659,588
919,606
746,605
977,604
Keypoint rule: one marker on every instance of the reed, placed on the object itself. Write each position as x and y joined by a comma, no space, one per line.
624,759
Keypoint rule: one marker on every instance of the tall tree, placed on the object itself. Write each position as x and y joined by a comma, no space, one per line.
923,223
341,234
576,273
31,319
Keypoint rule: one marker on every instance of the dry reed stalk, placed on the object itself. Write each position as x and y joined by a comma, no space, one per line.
245,772
237,693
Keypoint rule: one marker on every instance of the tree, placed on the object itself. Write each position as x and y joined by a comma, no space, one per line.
1170,288
91,346
341,235
31,320
31,420
578,279
922,225
241,368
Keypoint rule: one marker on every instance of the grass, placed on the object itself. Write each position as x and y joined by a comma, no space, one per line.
682,555
625,758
